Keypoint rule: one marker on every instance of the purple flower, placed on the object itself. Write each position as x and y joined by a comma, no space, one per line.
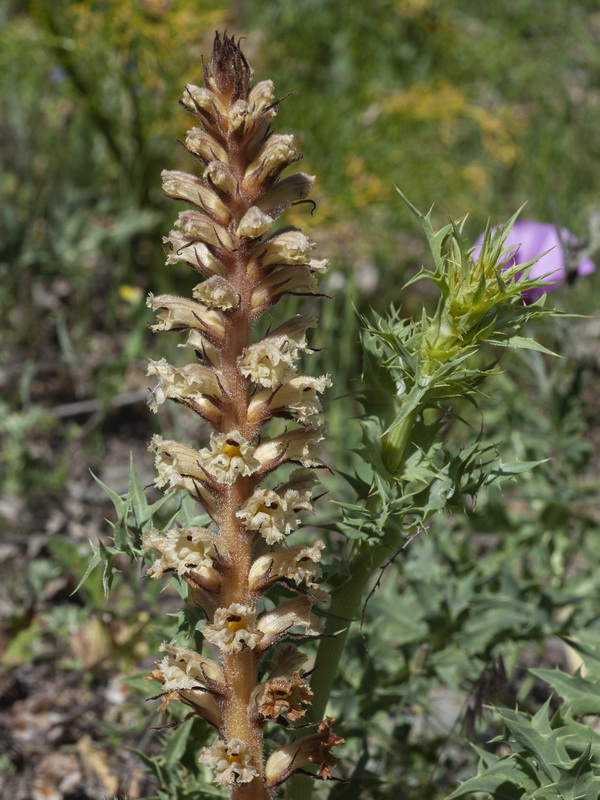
528,240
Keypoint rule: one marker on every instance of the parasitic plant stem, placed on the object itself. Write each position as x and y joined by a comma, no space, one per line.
252,483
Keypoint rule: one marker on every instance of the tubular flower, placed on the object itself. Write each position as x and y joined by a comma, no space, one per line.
295,613
234,629
283,695
305,752
271,361
226,236
228,456
271,514
192,679
181,550
299,395
194,385
231,762
296,564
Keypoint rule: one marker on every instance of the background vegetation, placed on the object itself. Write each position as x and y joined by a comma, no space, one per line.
477,108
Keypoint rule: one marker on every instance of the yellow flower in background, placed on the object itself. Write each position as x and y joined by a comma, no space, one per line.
131,294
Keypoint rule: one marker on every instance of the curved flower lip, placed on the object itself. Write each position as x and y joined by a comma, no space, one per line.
202,103
297,445
190,385
288,246
231,761
315,749
200,143
298,563
184,669
254,223
271,361
228,456
182,186
286,191
181,313
277,153
294,613
182,550
193,252
179,467
267,512
216,292
299,396
198,226
528,240
233,629
284,280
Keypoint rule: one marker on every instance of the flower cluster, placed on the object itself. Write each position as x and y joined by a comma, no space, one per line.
237,386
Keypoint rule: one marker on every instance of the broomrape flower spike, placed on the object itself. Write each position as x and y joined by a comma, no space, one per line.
237,385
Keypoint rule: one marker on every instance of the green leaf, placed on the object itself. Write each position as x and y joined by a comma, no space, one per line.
435,239
176,742
581,696
138,502
120,502
522,343
537,737
579,781
507,779
94,561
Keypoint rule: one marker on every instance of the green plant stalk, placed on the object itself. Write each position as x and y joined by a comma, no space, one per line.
344,609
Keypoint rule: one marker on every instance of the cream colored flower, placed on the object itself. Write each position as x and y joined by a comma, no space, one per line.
237,114
278,151
201,143
283,280
302,753
228,456
233,629
181,549
266,364
298,395
175,463
270,362
217,174
198,226
288,247
294,613
192,679
254,223
183,383
179,313
216,292
267,512
262,98
197,98
297,445
231,762
178,467
192,252
185,669
182,186
298,563
286,191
